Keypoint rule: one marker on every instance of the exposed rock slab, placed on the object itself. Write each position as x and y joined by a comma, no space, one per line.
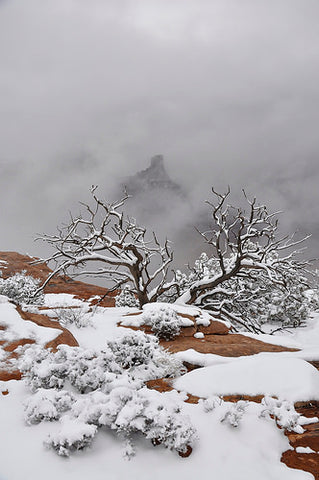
59,284
6,375
65,337
309,462
215,327
310,438
231,345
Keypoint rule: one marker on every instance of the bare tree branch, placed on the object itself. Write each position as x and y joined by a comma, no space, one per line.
243,244
102,235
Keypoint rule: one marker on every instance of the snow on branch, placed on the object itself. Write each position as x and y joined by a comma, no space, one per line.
250,267
124,251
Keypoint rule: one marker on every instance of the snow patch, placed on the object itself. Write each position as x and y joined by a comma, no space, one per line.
17,328
199,335
53,300
304,450
289,378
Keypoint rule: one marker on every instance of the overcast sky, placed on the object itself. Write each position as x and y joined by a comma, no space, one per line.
226,90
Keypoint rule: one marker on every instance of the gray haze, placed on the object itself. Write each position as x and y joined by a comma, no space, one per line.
227,90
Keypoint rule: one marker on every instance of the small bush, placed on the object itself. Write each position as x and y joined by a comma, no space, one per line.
134,349
89,389
283,412
77,316
47,405
90,369
21,289
234,415
126,298
85,369
74,435
164,322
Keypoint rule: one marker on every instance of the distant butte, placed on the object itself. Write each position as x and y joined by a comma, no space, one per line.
154,177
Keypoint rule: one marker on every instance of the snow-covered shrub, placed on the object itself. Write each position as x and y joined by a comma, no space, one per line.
164,321
313,297
250,302
21,288
234,415
284,413
126,298
85,369
73,435
209,404
203,267
128,410
41,369
89,389
134,349
47,405
90,369
165,424
77,316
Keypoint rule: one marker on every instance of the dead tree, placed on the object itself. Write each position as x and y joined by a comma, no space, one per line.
245,247
123,251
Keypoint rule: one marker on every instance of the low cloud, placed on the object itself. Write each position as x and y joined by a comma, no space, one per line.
227,91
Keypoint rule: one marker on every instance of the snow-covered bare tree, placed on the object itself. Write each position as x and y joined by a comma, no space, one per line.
124,252
252,275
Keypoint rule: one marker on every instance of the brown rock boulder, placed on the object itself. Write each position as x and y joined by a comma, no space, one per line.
66,338
214,328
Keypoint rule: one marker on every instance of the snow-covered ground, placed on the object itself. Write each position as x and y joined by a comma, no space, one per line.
266,373
17,328
284,374
249,451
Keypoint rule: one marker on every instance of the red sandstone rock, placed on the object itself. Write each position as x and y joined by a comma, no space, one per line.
10,347
160,384
165,385
309,462
231,345
237,398
187,332
308,409
59,284
214,328
6,375
310,437
65,336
